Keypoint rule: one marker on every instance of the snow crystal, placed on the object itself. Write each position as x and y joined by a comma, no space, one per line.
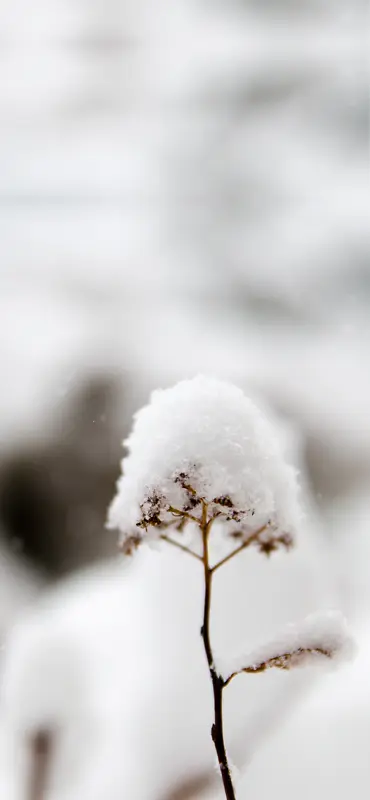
203,439
323,635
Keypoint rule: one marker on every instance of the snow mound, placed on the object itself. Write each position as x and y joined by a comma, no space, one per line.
204,440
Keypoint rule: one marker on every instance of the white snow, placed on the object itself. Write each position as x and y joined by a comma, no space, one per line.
114,661
207,434
321,749
323,636
45,678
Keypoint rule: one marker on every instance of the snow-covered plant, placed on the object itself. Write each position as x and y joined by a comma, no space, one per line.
204,466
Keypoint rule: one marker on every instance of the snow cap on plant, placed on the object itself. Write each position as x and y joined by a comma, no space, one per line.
323,636
204,442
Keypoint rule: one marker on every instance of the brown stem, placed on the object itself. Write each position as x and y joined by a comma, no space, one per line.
217,731
40,748
191,788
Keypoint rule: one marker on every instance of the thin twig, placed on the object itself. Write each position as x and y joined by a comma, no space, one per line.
178,513
180,546
254,536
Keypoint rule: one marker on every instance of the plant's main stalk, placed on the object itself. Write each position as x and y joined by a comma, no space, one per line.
217,731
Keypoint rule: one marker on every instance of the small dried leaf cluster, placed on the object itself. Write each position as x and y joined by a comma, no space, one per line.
285,661
157,515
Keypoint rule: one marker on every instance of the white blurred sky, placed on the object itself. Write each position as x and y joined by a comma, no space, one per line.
157,164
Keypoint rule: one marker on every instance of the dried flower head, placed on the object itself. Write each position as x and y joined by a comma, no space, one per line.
204,442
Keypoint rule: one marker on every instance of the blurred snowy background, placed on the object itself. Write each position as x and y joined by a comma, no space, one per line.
184,188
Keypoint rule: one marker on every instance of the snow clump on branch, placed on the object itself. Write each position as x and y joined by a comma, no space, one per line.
323,635
203,442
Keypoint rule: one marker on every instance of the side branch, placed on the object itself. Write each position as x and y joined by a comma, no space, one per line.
180,546
251,539
178,513
284,661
